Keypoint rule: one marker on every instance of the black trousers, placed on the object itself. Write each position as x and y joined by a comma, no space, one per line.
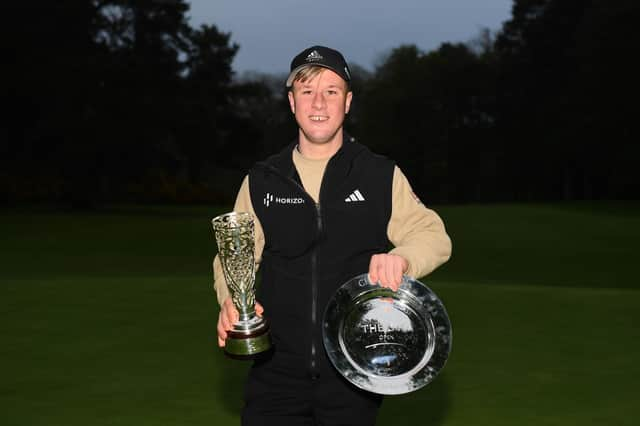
279,391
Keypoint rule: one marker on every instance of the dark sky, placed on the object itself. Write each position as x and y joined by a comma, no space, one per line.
271,32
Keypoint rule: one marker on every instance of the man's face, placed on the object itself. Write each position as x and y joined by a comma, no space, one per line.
319,105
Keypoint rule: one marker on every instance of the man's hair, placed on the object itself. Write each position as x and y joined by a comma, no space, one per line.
309,73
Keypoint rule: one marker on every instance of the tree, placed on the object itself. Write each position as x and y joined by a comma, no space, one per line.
553,58
205,113
105,94
432,113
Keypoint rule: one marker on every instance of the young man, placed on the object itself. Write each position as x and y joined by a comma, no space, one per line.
326,209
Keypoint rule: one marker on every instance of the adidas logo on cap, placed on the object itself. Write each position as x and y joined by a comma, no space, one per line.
314,56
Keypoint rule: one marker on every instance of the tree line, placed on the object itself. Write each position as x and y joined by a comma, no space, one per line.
124,101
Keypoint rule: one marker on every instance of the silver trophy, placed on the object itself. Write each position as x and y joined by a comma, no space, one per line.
384,341
235,238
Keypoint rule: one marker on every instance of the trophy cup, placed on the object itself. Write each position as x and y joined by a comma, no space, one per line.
234,234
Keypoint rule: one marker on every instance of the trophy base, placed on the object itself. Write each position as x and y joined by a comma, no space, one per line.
247,345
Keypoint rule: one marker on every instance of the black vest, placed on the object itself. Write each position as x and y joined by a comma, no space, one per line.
311,249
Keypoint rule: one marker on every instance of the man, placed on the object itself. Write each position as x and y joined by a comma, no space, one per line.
326,209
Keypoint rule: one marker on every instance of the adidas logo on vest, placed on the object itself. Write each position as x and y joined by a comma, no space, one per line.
355,196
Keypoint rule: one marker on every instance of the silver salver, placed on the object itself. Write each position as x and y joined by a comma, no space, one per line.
384,341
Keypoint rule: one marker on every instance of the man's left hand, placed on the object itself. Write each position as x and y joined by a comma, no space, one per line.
387,269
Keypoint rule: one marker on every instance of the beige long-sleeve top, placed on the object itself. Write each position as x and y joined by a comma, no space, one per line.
417,232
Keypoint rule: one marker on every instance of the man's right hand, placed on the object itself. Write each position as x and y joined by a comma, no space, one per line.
228,316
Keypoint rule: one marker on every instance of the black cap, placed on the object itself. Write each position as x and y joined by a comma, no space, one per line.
322,57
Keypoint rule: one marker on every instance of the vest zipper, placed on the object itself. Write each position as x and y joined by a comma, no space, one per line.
314,295
314,266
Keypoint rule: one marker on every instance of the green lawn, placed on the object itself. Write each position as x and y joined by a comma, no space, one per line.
109,319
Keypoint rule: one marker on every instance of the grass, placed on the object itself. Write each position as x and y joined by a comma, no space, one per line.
109,319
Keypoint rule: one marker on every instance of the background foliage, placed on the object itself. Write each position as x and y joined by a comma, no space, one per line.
122,100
